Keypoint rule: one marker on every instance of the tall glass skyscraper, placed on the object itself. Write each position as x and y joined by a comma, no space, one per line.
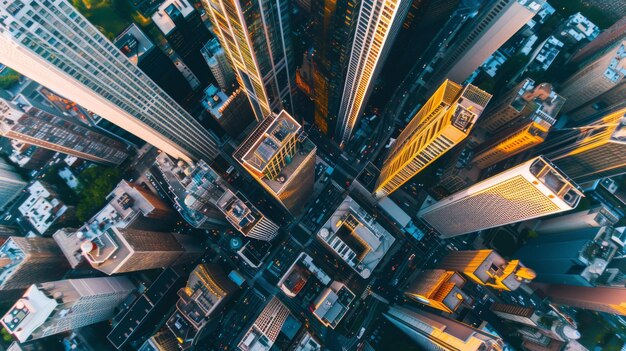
11,184
256,38
53,44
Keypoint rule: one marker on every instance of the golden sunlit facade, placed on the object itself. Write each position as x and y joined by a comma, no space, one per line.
377,25
511,143
530,190
444,121
592,152
255,37
439,289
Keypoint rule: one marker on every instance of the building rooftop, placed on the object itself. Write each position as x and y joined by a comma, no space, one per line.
333,304
28,313
215,100
439,288
41,208
133,43
168,12
579,27
297,275
547,53
617,66
11,256
356,237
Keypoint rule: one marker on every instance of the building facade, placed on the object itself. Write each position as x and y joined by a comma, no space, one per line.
55,307
256,37
439,289
265,329
62,51
444,121
530,190
215,57
11,183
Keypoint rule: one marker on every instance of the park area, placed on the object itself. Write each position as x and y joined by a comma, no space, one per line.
110,16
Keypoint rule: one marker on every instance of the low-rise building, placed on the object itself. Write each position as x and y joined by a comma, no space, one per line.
333,304
42,211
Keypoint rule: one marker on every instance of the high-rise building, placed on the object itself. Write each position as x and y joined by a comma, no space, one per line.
27,121
591,152
185,32
355,236
55,307
604,299
487,267
439,289
521,104
233,113
572,257
119,250
595,217
599,74
27,261
207,290
266,328
375,29
613,34
215,57
516,313
257,40
530,190
333,304
61,50
11,183
433,332
494,25
141,51
279,155
204,199
444,121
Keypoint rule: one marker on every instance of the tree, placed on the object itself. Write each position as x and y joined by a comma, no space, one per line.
97,182
8,77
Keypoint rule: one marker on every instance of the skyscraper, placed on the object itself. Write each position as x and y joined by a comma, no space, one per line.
487,267
439,289
516,313
433,332
61,50
599,74
256,37
11,184
278,154
377,25
51,308
215,57
25,120
26,261
182,26
265,329
604,299
530,190
136,45
590,152
120,250
444,121
482,37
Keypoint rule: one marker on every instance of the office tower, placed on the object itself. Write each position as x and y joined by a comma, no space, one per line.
488,268
11,183
55,307
27,121
257,40
439,289
141,51
265,329
609,36
521,104
185,32
572,257
494,25
432,332
595,217
215,57
119,250
42,210
233,113
512,141
599,74
207,290
333,304
444,121
603,299
530,190
516,313
278,154
591,152
356,237
26,261
375,29
61,50
204,199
